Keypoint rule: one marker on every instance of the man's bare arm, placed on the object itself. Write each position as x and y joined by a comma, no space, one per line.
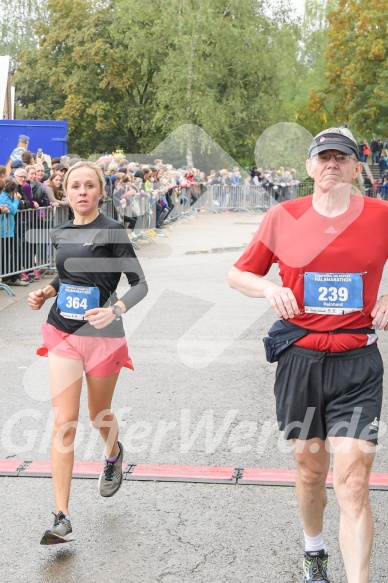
282,299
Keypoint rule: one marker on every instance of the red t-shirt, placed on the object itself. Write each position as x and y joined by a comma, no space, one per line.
298,238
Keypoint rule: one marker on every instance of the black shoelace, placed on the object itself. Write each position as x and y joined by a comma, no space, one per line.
57,519
108,471
318,569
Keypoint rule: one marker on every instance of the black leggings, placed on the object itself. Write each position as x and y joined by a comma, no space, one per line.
131,221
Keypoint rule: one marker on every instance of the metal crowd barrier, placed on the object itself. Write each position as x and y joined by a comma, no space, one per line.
218,198
140,208
30,247
146,219
304,189
61,214
249,197
109,209
181,203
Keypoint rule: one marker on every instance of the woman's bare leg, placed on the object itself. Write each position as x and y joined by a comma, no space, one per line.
65,385
100,395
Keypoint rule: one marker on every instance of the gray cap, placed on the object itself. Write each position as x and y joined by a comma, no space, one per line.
333,141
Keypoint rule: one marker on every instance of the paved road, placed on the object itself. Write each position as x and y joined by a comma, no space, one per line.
201,394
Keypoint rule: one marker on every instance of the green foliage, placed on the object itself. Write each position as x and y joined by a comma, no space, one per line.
284,144
16,25
356,83
128,73
308,71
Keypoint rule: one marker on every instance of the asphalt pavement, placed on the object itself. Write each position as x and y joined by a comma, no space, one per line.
201,395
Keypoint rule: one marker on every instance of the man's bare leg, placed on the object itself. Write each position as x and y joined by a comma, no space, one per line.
313,461
353,459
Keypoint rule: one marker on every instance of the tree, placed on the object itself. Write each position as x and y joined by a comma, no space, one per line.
219,72
74,74
16,19
356,82
127,73
308,71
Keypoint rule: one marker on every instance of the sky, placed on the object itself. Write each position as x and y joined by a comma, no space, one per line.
299,5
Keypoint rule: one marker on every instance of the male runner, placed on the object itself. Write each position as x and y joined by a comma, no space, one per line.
331,248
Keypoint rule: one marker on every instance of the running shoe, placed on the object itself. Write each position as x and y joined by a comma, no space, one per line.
18,282
35,275
24,277
38,274
60,532
112,475
315,566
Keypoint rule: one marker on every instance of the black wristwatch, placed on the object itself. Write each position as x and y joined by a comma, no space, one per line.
117,311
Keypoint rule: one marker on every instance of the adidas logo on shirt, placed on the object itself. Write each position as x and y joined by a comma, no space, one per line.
330,230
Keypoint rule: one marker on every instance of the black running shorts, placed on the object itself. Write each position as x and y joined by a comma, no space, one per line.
320,394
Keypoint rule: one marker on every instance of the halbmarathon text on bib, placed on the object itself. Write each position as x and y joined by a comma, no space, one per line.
333,293
74,300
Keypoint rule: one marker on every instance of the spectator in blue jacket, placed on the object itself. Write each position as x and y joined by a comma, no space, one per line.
3,207
384,189
236,176
9,199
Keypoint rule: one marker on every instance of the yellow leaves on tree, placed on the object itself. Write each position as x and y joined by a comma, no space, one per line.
356,55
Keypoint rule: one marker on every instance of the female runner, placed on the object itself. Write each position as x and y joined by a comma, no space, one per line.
84,333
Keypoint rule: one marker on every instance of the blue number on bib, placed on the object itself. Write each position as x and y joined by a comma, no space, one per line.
74,300
333,293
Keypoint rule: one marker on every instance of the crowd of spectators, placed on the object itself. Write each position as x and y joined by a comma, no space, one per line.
376,154
372,151
28,183
31,182
128,184
166,186
282,184
376,187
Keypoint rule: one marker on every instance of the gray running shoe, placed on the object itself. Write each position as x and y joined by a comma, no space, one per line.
60,532
112,475
19,282
315,566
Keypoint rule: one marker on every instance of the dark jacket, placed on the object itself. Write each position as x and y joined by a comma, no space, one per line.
382,166
39,193
24,202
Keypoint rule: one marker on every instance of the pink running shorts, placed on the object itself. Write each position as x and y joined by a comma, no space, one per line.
102,356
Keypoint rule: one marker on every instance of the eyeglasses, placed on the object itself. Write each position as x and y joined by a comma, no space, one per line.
339,158
20,175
